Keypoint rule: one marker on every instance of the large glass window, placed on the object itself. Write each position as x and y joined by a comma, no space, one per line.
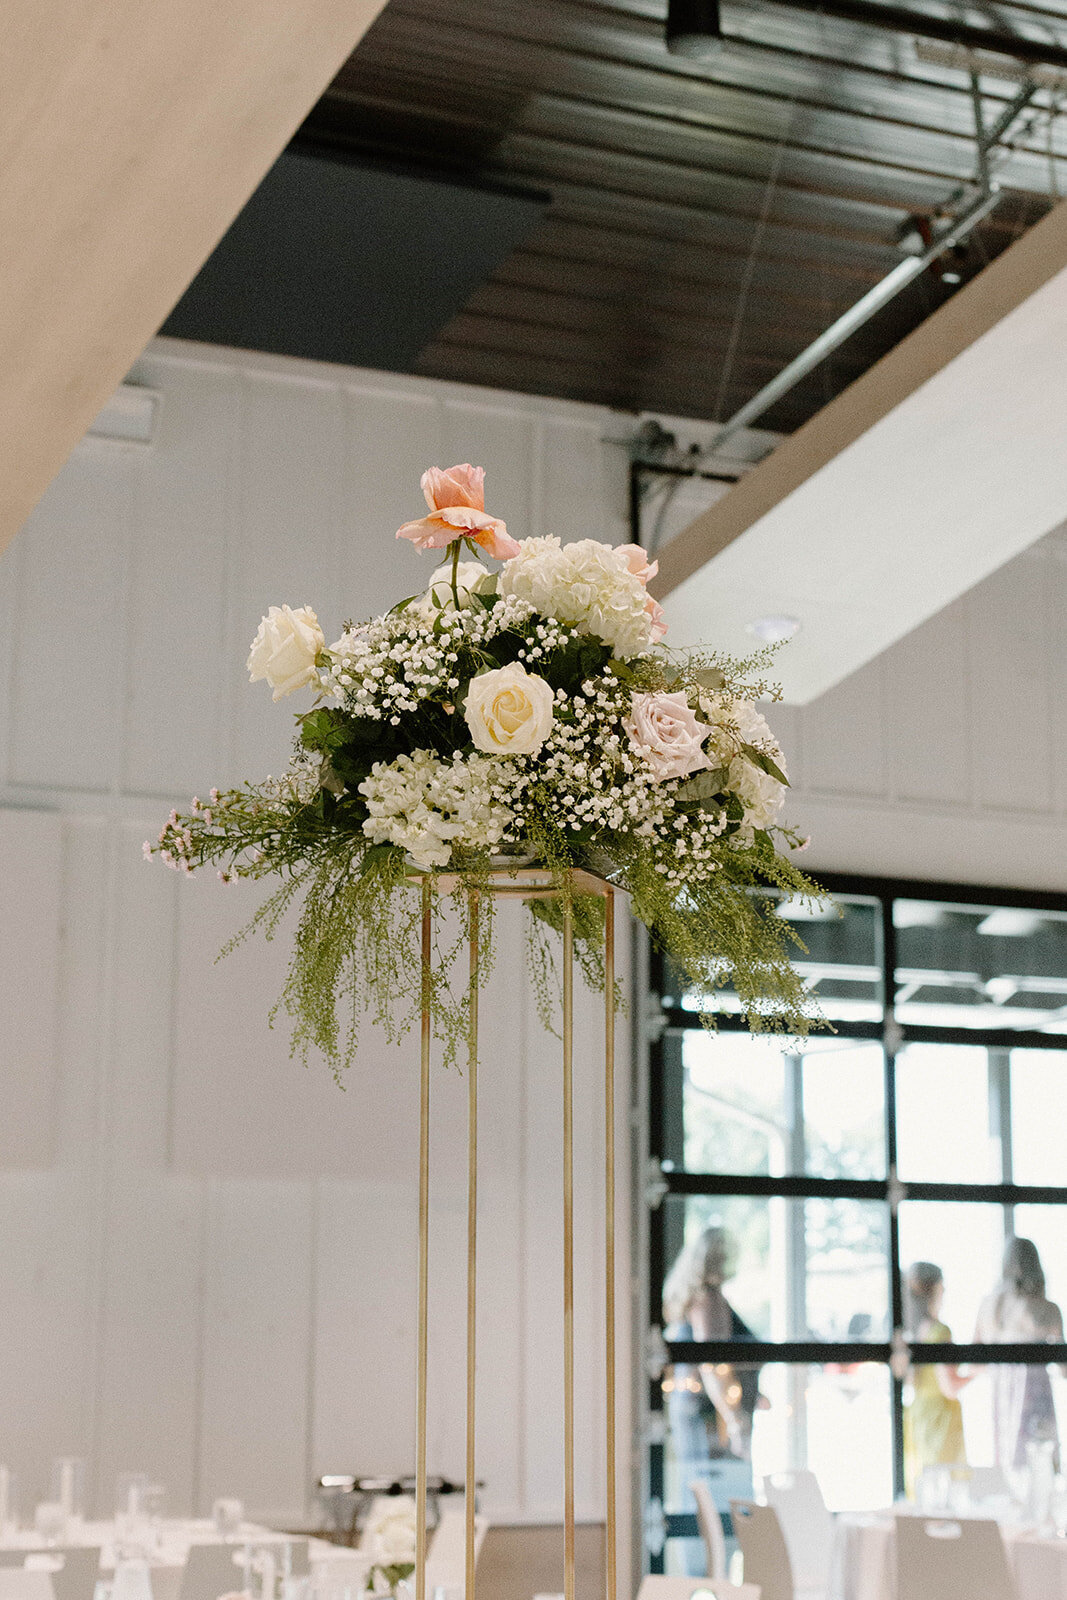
819,1210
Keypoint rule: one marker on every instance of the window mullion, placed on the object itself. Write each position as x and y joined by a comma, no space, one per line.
1000,1123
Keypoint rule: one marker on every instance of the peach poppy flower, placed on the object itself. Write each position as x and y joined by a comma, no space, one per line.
456,498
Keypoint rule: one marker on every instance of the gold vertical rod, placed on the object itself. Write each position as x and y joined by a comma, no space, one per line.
611,1530
470,1482
424,1251
568,1249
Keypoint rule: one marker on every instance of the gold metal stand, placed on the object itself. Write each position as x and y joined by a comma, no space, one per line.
424,1248
528,883
568,1252
470,1482
611,1523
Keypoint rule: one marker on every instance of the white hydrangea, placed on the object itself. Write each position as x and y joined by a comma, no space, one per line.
737,722
425,805
761,795
586,583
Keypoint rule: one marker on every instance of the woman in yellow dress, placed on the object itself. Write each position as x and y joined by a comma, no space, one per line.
933,1422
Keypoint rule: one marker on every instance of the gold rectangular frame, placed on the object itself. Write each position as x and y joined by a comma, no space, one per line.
521,883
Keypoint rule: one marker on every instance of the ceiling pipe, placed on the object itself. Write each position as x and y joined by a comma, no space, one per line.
828,341
920,24
886,289
855,317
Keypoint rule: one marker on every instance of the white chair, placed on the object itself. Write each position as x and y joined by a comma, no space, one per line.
132,1581
77,1577
807,1527
73,1571
963,1560
20,1583
210,1571
710,1524
446,1557
657,1588
763,1547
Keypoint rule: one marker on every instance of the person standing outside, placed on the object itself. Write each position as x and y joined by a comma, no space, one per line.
1019,1312
933,1421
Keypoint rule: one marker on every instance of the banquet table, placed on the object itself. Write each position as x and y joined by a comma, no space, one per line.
864,1559
173,1540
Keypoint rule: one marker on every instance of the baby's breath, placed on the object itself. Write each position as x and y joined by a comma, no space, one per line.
656,772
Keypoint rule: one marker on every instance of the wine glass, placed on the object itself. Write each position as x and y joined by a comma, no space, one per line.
132,1528
9,1520
68,1486
50,1522
227,1515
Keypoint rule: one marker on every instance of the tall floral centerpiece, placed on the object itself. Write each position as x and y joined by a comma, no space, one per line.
518,731
529,713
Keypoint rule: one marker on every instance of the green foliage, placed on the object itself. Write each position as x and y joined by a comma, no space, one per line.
703,880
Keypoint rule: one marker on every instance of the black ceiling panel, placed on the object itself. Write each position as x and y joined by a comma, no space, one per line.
341,261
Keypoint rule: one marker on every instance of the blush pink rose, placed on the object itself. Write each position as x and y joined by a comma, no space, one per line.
666,731
456,498
655,611
637,562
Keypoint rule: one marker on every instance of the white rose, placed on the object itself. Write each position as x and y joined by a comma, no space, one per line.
284,649
390,1536
471,579
666,730
508,711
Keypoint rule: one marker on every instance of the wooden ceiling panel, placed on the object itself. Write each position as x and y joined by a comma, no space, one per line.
130,137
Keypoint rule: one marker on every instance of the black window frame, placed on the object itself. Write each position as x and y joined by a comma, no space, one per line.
662,1179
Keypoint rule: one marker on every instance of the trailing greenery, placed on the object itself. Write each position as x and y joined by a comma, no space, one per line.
476,727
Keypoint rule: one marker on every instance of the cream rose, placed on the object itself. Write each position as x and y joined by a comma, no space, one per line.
665,729
390,1533
284,649
471,579
508,711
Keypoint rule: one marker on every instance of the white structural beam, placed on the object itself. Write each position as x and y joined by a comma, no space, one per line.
942,462
131,134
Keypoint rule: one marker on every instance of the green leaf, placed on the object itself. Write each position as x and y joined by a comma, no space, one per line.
376,856
330,779
322,729
764,844
402,605
761,759
734,808
702,786
708,677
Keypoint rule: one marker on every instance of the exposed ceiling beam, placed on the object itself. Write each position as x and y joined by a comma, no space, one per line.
130,137
912,22
931,470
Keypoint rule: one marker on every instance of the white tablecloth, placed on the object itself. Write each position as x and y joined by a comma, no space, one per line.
863,1565
174,1542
